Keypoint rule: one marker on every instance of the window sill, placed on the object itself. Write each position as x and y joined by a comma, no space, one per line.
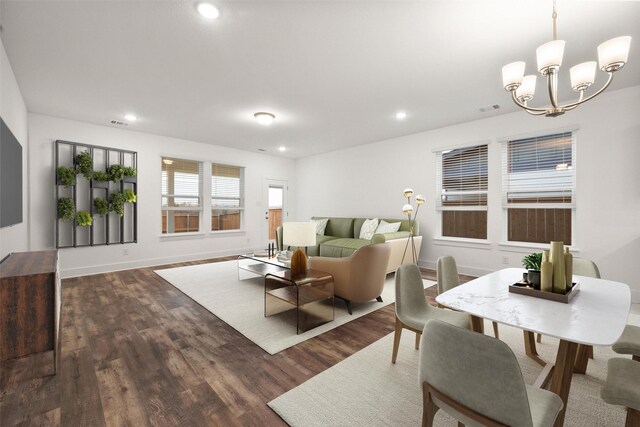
226,232
526,247
189,234
462,242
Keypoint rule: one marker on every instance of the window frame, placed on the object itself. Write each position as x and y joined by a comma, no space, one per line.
524,246
441,208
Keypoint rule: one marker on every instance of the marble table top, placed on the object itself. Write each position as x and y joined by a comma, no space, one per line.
596,315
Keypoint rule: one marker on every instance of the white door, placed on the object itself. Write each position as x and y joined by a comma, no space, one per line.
275,212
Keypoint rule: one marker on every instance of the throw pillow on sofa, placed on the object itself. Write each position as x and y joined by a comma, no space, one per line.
321,225
368,228
387,227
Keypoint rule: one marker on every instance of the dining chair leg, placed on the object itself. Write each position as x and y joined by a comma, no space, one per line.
633,418
429,408
396,340
495,330
539,338
418,335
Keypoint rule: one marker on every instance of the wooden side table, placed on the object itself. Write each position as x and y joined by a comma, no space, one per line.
310,294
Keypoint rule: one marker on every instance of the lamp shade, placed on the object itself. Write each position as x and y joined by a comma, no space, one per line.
408,192
549,55
613,54
512,75
527,88
583,75
299,234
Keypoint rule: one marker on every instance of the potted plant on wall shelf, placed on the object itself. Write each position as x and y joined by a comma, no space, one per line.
66,209
101,206
84,219
116,203
130,174
84,164
532,263
100,179
116,173
66,176
130,196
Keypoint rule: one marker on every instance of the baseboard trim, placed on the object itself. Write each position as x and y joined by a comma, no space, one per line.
462,269
67,273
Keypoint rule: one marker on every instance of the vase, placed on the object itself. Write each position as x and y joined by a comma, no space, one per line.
546,273
568,268
557,260
534,278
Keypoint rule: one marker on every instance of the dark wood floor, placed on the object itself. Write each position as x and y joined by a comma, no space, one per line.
136,351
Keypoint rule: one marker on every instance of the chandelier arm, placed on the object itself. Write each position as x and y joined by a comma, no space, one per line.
573,105
552,80
581,101
535,113
521,105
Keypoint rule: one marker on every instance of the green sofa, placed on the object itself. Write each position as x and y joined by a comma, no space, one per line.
340,239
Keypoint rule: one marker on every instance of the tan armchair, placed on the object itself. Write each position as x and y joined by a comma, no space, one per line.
359,277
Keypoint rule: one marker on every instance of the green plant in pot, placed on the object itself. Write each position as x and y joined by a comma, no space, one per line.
532,263
84,219
129,171
116,203
100,176
130,196
116,173
66,209
101,206
84,164
66,176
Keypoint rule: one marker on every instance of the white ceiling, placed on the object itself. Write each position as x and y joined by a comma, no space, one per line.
333,72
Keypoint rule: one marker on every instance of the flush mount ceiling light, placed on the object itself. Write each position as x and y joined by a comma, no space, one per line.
130,117
264,119
282,148
207,10
401,115
612,55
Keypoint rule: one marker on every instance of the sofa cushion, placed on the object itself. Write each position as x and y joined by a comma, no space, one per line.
339,227
368,228
321,225
339,248
315,250
387,227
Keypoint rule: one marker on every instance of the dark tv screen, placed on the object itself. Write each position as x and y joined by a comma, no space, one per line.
10,177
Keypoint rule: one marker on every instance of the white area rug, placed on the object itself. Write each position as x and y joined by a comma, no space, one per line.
367,390
240,303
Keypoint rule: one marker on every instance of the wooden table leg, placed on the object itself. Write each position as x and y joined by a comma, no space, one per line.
562,373
477,324
582,359
530,348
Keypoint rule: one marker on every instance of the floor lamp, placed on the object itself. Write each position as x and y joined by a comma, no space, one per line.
408,210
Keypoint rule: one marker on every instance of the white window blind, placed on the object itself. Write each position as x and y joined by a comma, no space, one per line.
226,186
462,179
181,183
539,172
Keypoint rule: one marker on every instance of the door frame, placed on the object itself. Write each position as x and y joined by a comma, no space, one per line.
267,183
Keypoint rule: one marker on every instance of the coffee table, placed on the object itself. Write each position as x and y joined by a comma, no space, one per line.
310,294
260,265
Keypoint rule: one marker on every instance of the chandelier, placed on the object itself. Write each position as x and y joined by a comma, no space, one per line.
612,55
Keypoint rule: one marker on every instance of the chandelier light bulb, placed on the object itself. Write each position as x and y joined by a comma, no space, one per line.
583,75
527,89
407,209
549,56
408,192
264,119
420,199
613,54
512,75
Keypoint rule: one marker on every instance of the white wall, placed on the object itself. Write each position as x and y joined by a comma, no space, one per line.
368,181
151,249
14,113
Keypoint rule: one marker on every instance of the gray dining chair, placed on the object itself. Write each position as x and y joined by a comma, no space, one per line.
621,388
413,310
476,379
447,278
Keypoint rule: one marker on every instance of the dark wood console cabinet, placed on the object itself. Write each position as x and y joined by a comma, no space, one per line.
30,305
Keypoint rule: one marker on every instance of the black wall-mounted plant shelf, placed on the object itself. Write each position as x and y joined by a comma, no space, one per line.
105,230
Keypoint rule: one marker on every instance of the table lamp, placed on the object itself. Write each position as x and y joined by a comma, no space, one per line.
299,234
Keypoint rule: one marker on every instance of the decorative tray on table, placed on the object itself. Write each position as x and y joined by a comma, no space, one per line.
524,288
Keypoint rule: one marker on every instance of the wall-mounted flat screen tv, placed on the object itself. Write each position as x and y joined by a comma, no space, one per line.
10,177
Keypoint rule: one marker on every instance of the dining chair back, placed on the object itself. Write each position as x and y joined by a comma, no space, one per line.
447,273
585,267
476,379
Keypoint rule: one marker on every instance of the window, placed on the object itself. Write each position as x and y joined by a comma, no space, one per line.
227,202
462,180
538,188
181,204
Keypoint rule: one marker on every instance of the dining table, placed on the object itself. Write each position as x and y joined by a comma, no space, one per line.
596,315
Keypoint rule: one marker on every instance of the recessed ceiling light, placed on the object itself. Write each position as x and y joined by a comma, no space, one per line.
282,148
207,10
264,118
401,115
130,117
